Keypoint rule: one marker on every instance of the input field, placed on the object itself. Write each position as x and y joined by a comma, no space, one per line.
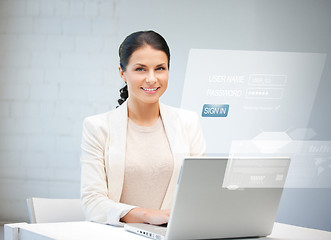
264,93
267,80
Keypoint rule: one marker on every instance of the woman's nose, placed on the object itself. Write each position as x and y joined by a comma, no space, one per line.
151,78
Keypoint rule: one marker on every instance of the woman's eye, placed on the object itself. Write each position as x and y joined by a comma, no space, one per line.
139,69
160,68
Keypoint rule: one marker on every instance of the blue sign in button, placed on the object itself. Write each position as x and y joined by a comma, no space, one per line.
215,110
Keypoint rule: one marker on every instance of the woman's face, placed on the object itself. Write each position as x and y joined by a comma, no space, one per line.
146,75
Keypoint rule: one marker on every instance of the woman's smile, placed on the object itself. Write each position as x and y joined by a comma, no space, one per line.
150,90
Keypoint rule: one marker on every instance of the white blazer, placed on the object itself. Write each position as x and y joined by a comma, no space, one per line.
103,158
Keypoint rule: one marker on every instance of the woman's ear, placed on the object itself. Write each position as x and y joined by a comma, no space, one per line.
122,73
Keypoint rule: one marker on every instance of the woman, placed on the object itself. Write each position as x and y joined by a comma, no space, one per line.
131,156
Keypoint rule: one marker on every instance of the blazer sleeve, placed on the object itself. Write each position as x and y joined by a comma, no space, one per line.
97,205
197,141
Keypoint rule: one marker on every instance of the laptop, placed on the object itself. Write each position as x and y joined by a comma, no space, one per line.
222,197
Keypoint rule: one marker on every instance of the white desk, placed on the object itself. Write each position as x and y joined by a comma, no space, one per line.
95,231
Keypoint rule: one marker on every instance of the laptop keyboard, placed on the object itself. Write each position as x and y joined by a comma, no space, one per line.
160,229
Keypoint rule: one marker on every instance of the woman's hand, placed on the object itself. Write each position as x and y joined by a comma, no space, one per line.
142,215
157,217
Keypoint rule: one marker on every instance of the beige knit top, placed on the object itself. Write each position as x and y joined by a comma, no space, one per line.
148,165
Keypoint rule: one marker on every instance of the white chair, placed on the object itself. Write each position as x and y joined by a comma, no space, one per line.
47,210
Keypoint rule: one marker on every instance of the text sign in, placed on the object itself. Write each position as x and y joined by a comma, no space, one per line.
215,110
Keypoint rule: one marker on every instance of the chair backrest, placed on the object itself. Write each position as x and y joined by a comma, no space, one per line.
47,210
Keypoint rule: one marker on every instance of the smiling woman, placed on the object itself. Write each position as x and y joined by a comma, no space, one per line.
131,156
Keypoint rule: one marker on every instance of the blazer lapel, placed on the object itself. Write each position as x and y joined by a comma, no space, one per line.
173,130
117,149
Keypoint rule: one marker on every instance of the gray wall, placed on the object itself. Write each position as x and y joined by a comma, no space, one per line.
58,64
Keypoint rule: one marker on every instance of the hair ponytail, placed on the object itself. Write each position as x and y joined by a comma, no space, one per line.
124,94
